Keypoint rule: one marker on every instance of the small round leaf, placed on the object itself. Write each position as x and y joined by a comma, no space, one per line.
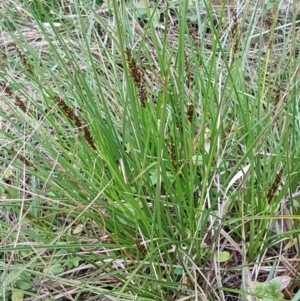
222,256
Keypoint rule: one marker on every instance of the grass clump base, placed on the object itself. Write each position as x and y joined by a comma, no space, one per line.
149,151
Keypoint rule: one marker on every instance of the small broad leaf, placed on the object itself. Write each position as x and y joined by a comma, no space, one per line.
17,295
142,12
22,284
54,269
271,290
155,17
258,287
75,261
141,9
153,178
281,281
222,256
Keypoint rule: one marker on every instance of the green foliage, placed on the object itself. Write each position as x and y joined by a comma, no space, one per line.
272,290
144,158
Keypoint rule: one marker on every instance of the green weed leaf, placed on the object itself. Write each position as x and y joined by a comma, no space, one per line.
24,285
17,295
54,269
222,256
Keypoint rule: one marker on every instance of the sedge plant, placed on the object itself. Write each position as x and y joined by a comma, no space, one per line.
148,151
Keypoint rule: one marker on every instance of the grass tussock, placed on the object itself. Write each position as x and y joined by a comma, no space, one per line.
149,150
